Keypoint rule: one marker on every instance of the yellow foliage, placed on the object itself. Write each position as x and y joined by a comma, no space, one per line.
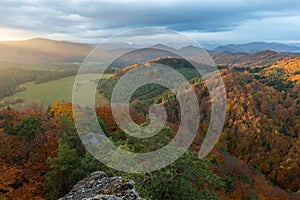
289,160
62,109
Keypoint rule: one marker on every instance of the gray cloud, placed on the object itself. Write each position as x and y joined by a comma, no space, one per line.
95,19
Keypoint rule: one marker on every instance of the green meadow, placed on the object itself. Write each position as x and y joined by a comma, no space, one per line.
45,94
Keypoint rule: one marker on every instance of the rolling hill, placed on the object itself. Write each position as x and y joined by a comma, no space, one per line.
256,156
255,47
259,59
41,50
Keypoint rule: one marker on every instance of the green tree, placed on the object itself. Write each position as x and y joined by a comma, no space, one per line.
28,127
188,178
65,172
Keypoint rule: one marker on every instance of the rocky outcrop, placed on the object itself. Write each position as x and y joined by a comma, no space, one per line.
99,186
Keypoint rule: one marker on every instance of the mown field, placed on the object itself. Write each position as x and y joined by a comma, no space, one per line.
45,94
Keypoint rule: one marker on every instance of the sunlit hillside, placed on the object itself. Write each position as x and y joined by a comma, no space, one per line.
256,156
44,51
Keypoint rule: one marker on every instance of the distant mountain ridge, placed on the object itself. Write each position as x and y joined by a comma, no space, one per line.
255,47
40,50
260,58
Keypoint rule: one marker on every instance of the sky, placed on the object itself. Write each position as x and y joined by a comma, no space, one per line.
210,23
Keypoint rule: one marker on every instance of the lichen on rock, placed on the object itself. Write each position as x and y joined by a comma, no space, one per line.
98,186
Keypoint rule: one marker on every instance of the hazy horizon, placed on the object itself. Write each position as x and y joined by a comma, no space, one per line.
210,23
133,45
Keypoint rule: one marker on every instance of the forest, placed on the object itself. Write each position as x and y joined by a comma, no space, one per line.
12,78
149,100
256,157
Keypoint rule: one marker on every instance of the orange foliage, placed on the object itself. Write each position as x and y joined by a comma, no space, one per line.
22,161
105,113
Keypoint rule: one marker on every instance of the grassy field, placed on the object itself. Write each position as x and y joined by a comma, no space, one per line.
46,93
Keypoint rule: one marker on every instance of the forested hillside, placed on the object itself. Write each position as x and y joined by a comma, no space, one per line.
256,157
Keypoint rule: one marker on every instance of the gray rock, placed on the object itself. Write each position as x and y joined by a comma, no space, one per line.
98,186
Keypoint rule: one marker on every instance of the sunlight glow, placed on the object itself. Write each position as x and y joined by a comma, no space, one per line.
9,33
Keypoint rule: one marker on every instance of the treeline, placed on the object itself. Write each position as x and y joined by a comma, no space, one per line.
41,66
11,78
54,75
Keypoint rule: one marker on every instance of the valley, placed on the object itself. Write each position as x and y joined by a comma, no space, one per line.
256,156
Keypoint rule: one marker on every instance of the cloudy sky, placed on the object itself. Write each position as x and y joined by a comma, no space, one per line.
208,22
